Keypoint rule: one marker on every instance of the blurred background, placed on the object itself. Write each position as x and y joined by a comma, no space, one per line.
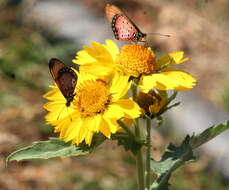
33,31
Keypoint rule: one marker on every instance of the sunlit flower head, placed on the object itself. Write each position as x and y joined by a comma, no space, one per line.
152,102
96,107
138,61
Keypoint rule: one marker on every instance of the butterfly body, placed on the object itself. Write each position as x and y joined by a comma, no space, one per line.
65,79
123,28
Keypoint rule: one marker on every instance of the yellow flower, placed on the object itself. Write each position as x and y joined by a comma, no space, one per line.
99,59
135,60
138,61
152,102
96,107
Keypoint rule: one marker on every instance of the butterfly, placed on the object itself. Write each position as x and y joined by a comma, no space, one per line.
122,26
65,79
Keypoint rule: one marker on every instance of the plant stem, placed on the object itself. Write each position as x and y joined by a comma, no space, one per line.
139,161
129,132
148,153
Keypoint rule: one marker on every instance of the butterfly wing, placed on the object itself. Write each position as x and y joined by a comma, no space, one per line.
64,77
122,26
111,11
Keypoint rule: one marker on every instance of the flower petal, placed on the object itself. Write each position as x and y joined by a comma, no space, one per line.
54,94
74,129
88,137
119,86
130,108
96,69
114,111
171,80
123,108
112,48
97,121
176,58
82,57
113,125
105,128
98,59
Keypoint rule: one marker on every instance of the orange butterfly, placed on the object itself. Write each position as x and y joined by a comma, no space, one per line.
123,27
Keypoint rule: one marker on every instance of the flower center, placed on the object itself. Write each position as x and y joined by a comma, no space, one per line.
92,98
136,59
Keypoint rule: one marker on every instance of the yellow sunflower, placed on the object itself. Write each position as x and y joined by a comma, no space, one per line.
96,107
138,61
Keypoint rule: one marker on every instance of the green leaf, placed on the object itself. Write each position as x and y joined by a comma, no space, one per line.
127,142
159,121
52,148
172,97
46,149
173,158
167,107
208,134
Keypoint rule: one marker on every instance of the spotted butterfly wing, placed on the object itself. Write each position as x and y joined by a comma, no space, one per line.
123,28
64,77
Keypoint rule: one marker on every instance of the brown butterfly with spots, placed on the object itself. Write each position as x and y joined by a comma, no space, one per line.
65,79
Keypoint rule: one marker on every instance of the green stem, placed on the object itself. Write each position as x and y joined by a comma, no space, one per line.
139,161
148,153
134,92
129,132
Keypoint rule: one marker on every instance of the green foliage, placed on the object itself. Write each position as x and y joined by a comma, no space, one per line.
129,144
167,106
173,158
208,134
47,149
52,148
159,120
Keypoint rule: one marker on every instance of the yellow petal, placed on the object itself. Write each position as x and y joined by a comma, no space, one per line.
54,105
97,59
114,111
104,128
123,108
88,137
82,57
171,80
54,95
96,69
58,111
62,127
97,121
176,58
112,48
112,124
73,129
119,86
82,134
99,52
129,107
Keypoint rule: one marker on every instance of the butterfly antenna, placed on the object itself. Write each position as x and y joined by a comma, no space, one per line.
159,34
60,112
